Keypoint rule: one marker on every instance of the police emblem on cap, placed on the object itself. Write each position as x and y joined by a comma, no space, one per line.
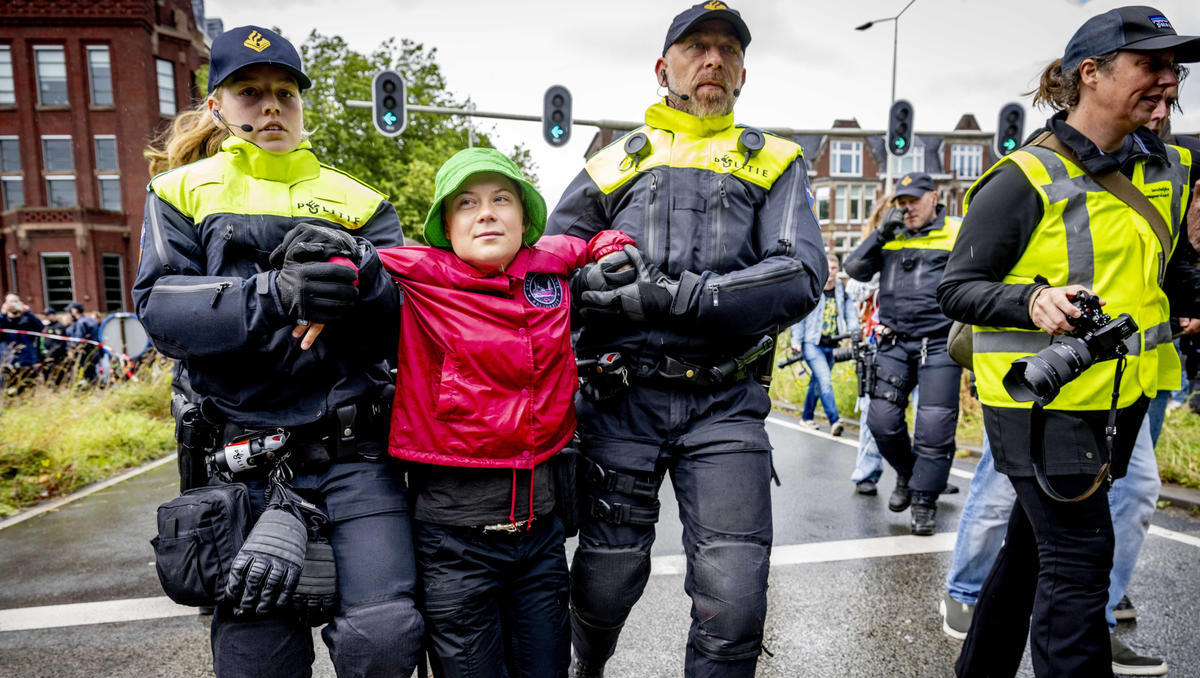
256,41
906,181
1160,21
715,4
543,290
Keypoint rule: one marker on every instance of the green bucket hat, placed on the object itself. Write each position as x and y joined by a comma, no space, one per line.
462,166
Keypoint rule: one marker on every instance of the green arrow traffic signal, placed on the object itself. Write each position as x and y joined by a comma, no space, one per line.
1009,145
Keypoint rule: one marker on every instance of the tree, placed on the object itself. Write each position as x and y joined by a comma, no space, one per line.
403,168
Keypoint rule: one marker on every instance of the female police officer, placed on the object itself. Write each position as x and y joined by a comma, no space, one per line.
209,297
1051,230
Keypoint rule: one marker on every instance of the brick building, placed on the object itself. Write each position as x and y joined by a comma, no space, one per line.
84,86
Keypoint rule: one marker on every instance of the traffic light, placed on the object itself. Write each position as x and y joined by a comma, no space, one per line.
900,127
556,115
1009,128
387,102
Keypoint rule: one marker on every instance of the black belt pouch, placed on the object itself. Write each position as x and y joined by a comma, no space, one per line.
199,533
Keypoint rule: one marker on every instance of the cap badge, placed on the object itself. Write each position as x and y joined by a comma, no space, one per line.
715,4
257,42
1160,21
906,181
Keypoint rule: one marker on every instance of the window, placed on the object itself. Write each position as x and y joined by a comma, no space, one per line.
12,193
114,283
12,181
913,161
106,153
10,154
57,279
845,158
823,204
8,91
59,164
854,202
166,87
51,67
12,275
100,76
966,160
56,153
110,192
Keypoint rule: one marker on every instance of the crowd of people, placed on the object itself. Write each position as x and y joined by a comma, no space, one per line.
38,347
428,510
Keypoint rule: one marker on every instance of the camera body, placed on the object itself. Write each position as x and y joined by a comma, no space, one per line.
1096,337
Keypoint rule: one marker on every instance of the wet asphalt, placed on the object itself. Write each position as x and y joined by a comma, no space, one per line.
859,616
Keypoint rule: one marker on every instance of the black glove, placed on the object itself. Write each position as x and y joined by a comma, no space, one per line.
602,276
316,592
318,292
264,574
650,295
313,242
891,223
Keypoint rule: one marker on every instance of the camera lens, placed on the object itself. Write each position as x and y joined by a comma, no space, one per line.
1039,377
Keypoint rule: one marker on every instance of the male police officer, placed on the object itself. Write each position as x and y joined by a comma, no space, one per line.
910,248
728,252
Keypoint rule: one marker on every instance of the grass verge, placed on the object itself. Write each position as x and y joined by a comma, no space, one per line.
54,441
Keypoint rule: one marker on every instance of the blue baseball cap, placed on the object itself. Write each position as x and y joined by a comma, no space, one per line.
249,45
1134,28
915,184
713,9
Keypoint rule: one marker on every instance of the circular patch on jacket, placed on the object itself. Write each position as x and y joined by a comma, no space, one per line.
543,290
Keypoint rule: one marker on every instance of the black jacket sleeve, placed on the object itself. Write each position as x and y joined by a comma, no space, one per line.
186,312
866,260
780,289
997,228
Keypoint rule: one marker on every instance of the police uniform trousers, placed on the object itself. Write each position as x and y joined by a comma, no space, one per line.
899,367
495,602
376,630
714,445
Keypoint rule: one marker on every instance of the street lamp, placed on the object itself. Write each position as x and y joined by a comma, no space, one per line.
895,41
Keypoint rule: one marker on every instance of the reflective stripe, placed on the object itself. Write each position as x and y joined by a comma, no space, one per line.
1076,220
1157,335
1011,341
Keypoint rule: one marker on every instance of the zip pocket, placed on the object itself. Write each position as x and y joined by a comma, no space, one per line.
779,273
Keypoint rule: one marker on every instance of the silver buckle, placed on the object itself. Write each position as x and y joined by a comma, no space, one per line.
506,527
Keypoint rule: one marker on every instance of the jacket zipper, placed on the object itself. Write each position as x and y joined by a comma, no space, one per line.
217,287
719,236
651,224
751,280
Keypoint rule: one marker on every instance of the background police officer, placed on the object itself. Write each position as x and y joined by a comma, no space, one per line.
910,250
728,250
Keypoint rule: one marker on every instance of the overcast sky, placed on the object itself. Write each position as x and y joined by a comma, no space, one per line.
805,67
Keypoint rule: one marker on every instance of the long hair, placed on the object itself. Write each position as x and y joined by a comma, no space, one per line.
1059,90
193,136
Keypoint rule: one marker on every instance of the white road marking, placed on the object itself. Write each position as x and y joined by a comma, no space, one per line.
1176,536
78,614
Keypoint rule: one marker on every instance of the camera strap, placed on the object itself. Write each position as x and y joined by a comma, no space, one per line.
1037,444
1121,187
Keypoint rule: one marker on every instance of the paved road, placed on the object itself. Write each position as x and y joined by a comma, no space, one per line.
852,593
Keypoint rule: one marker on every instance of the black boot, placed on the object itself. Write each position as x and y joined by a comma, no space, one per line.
924,517
901,496
582,669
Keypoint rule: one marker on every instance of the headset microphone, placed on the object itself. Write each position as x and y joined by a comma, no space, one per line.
681,97
217,112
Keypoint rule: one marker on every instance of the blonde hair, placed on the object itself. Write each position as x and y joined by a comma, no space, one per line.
193,136
881,206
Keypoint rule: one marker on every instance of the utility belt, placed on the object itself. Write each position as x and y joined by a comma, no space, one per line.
890,336
356,432
609,374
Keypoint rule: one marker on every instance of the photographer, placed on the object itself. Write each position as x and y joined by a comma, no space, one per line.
19,352
816,337
1054,233
909,251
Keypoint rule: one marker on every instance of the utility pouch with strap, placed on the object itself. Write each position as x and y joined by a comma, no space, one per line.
960,343
565,465
199,534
